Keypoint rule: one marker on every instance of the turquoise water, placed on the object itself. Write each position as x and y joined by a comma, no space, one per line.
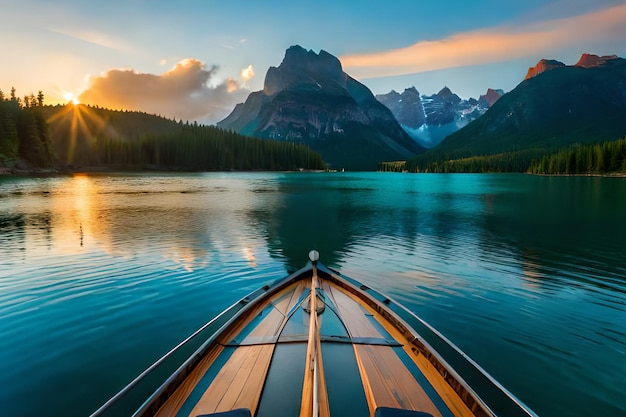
100,275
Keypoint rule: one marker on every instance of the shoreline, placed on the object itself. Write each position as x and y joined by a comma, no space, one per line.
607,175
70,170
34,172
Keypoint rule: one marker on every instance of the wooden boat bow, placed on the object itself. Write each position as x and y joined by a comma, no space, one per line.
317,343
310,392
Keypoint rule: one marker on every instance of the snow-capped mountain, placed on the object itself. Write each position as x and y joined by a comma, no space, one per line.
429,119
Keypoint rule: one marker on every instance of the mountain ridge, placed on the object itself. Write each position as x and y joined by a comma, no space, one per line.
557,107
309,99
429,119
586,60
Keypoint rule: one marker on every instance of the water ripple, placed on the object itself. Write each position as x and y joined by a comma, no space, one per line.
101,274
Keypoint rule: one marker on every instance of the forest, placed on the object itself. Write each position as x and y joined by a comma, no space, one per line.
76,136
600,158
515,161
206,148
24,130
85,136
579,159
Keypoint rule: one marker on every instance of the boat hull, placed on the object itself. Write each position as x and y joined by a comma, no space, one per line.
318,343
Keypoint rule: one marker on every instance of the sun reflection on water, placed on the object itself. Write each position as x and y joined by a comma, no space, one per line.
75,208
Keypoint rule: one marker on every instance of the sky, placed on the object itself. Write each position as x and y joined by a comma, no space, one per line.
194,60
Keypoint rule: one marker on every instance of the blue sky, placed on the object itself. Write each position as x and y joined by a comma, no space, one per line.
183,54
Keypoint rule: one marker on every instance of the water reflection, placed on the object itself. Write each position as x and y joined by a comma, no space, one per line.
463,220
303,220
76,215
522,267
562,227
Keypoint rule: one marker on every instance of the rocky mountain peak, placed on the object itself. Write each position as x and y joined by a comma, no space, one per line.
585,61
591,60
490,97
565,105
447,95
304,67
309,99
406,107
298,58
429,119
542,66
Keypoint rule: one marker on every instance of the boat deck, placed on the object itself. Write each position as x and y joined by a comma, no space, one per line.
342,359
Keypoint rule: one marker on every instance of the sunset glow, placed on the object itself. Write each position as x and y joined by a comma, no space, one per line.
71,98
487,45
78,115
185,91
212,55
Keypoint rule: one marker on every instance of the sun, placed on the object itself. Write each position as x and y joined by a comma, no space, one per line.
71,98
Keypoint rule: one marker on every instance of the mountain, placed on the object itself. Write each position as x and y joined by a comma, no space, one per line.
590,60
309,99
542,66
585,61
489,98
429,119
406,107
560,105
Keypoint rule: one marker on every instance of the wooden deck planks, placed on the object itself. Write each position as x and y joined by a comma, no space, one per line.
268,327
273,323
239,382
445,391
306,406
447,394
286,302
351,313
324,406
388,383
176,401
256,365
386,380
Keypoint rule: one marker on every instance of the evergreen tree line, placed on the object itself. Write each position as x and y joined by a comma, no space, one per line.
24,130
395,166
46,136
517,161
600,158
206,148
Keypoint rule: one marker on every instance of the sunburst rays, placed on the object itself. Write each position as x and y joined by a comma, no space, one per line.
78,127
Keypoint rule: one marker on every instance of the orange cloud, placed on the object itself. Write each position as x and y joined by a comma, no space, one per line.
247,73
490,45
182,92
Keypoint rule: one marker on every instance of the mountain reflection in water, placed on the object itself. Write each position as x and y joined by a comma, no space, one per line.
102,274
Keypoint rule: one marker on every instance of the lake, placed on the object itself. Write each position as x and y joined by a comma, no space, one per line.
101,274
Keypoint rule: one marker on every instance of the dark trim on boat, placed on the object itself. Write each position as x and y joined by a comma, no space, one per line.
270,340
478,390
482,399
220,323
156,400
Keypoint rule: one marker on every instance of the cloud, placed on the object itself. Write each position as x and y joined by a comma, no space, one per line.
96,38
492,45
182,92
247,73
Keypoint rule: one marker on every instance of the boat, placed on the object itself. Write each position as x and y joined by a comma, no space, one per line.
317,343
